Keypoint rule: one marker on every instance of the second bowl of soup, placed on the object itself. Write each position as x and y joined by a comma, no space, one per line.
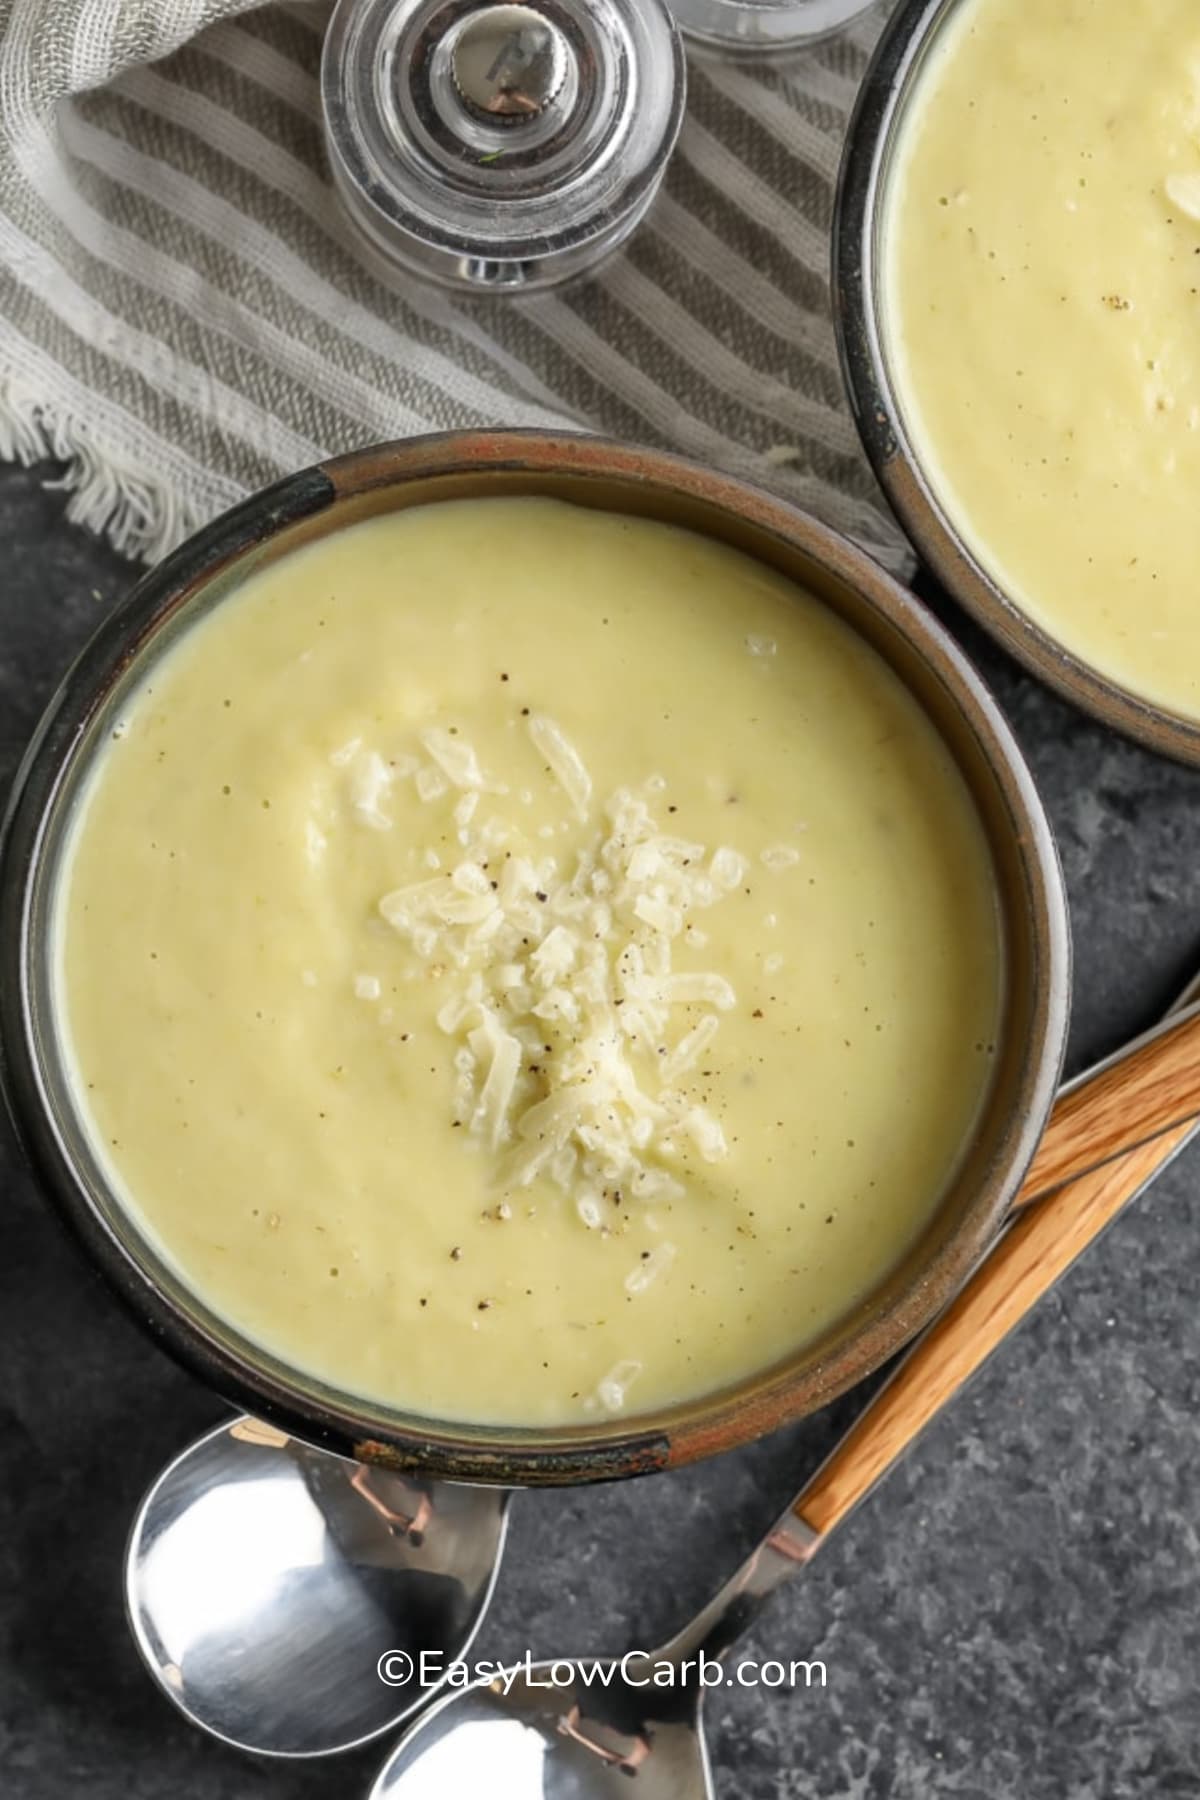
1019,298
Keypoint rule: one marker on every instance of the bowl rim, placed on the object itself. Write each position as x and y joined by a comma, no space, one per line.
370,1431
887,88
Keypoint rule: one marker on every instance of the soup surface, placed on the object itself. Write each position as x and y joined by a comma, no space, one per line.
523,963
1042,262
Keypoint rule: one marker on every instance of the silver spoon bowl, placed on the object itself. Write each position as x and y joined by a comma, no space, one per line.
578,1729
282,1596
555,1734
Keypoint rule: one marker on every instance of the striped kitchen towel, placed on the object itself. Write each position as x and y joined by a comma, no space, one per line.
185,313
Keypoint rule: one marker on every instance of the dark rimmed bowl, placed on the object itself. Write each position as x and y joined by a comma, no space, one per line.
590,473
892,79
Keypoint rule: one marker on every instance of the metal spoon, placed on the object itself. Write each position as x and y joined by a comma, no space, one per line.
577,1729
265,1580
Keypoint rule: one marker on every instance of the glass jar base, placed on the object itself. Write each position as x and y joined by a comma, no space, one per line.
761,27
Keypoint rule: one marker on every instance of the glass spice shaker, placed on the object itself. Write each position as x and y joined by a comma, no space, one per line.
500,147
760,26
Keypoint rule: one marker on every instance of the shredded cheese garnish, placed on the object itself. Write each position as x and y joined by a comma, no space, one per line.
654,1264
564,761
1183,191
612,1390
573,1031
370,779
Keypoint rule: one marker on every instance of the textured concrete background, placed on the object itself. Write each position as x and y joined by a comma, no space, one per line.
1013,1617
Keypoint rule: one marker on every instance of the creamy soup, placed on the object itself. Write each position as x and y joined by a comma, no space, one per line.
523,963
1043,272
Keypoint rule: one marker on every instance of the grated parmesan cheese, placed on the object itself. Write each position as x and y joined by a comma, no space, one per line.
588,1208
491,1114
1183,191
431,784
611,1391
705,988
574,1033
370,779
728,869
565,762
454,757
690,1048
655,1263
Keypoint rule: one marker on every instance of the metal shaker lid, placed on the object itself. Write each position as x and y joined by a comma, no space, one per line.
511,63
500,146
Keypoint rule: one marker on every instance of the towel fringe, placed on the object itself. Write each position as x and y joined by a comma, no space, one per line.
141,515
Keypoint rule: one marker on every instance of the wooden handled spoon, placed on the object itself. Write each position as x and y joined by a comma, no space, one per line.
1150,1086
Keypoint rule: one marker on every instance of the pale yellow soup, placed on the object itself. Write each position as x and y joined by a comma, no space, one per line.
525,964
1042,272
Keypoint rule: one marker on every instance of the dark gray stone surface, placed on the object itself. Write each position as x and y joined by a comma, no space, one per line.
1013,1617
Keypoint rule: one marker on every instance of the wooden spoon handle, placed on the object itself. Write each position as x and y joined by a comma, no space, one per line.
1131,1101
1027,1261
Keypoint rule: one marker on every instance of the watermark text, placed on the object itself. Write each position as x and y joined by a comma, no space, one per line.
636,1669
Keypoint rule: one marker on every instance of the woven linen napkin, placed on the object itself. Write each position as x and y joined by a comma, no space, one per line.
186,313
